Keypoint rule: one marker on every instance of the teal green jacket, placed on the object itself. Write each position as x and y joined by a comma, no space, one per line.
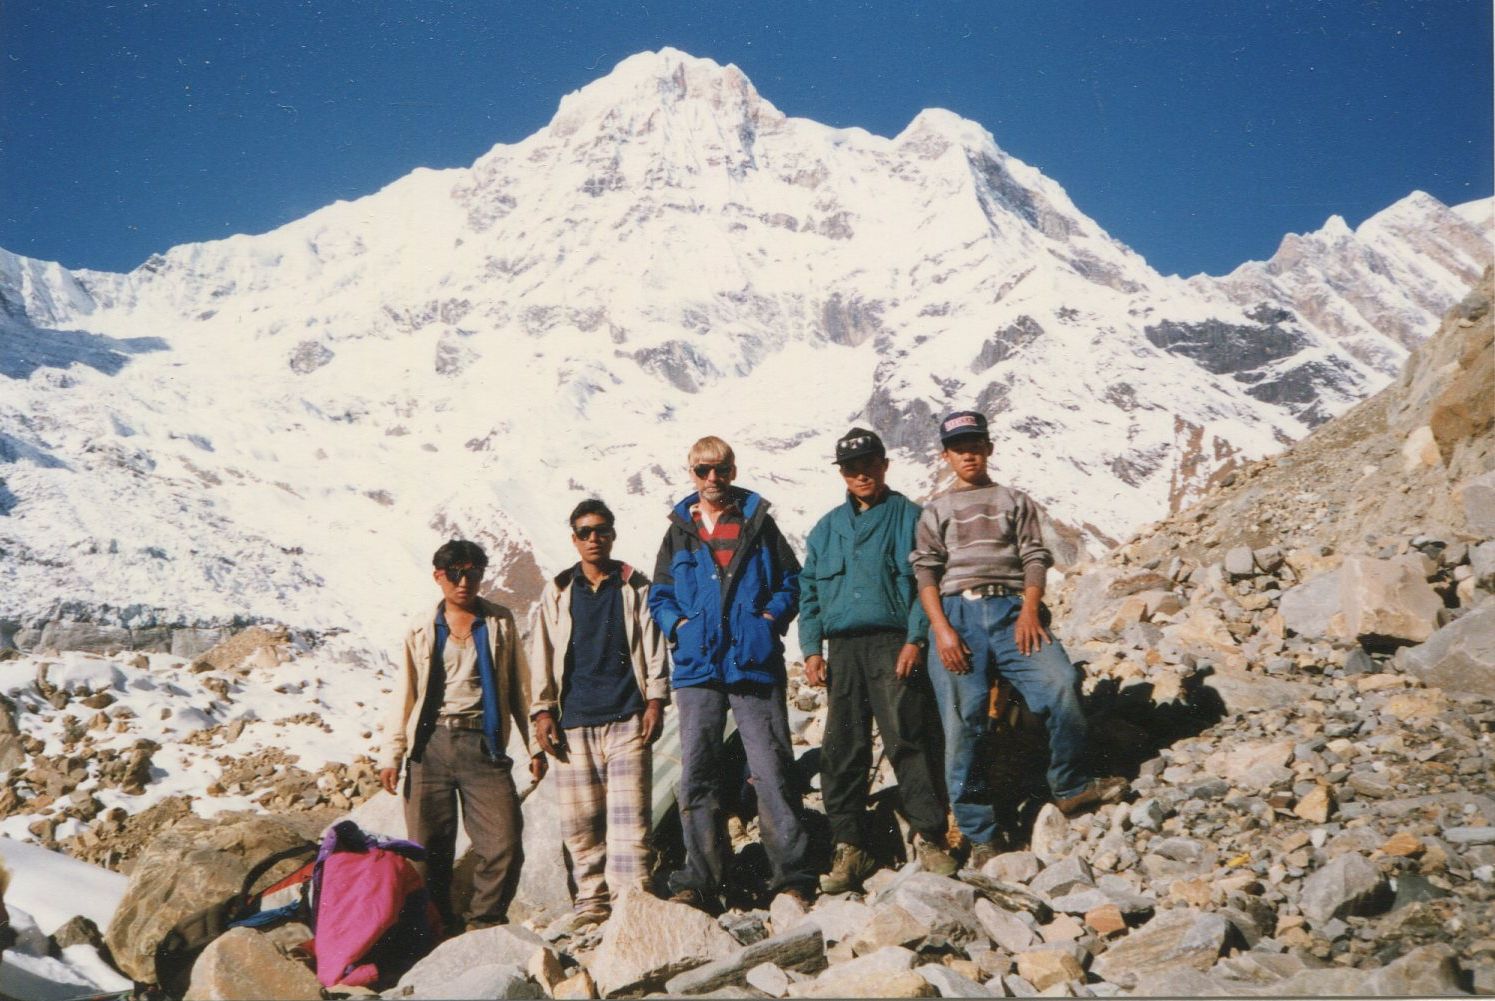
857,576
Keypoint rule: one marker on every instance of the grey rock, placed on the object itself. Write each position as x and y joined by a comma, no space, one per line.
1469,835
839,919
1013,867
1050,834
951,984
1479,504
1148,814
490,980
1348,884
1126,899
1239,562
242,963
647,941
507,946
1179,938
1178,849
1429,971
802,948
1080,901
769,979
1064,876
1460,657
1004,928
1307,608
1482,563
1018,987
941,904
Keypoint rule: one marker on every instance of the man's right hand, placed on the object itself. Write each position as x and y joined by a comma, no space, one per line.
954,653
545,734
815,670
389,778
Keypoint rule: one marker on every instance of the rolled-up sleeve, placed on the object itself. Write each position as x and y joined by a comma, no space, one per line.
930,555
1028,533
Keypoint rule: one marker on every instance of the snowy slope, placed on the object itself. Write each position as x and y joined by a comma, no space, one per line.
283,426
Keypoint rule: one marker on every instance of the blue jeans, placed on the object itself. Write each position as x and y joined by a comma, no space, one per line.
1046,681
763,721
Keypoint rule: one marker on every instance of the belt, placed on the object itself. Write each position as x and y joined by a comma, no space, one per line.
460,722
989,591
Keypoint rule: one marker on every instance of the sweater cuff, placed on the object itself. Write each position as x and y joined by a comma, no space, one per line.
926,577
1035,575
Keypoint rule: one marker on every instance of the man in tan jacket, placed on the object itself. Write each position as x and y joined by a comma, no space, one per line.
461,688
599,684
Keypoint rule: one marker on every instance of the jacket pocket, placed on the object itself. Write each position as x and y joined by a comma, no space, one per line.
753,639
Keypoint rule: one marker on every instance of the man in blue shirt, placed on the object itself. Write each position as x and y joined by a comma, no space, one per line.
599,682
857,596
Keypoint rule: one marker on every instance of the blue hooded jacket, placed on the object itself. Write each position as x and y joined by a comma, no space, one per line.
715,618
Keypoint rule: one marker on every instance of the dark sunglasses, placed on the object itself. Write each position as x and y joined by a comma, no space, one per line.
471,574
602,531
703,470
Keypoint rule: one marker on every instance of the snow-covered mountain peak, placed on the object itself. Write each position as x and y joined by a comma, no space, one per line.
643,87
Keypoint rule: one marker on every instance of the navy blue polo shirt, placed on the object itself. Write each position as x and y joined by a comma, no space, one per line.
599,686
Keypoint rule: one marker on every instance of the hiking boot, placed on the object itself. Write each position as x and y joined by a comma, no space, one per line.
1098,791
692,897
850,866
981,853
932,857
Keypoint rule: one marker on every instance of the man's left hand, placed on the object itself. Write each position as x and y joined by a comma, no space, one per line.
908,661
653,720
537,766
1029,632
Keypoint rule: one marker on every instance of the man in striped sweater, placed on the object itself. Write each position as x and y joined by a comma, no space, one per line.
980,563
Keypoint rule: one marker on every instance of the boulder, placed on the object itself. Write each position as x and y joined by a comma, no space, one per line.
891,925
242,965
647,941
1460,657
1253,765
1005,928
838,919
951,984
190,866
904,984
939,903
1429,971
1013,867
1386,602
503,945
487,981
1478,498
1050,831
1347,884
1180,938
1308,608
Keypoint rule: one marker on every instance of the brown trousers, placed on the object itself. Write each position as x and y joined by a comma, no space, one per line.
452,767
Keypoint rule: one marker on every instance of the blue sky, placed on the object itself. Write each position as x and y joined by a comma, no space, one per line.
1196,132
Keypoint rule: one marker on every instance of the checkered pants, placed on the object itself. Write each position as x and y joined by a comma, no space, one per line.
604,792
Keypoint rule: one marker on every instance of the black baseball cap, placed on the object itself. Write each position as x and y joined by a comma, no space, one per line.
963,424
856,443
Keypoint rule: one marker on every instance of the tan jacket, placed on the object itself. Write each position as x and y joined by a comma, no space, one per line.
414,672
550,638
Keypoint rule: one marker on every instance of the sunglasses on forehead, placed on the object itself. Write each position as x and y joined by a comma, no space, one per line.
585,532
471,574
703,469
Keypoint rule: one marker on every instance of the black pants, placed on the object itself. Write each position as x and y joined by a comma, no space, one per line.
863,687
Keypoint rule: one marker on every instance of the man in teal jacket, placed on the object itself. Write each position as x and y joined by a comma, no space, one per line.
857,595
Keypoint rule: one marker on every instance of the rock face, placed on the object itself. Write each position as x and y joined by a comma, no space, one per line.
647,941
189,867
244,965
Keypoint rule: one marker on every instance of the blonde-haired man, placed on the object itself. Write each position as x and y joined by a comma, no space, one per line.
726,587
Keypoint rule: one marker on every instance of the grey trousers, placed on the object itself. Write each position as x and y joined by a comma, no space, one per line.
763,720
453,766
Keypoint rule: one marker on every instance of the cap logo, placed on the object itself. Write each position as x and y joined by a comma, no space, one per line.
963,421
